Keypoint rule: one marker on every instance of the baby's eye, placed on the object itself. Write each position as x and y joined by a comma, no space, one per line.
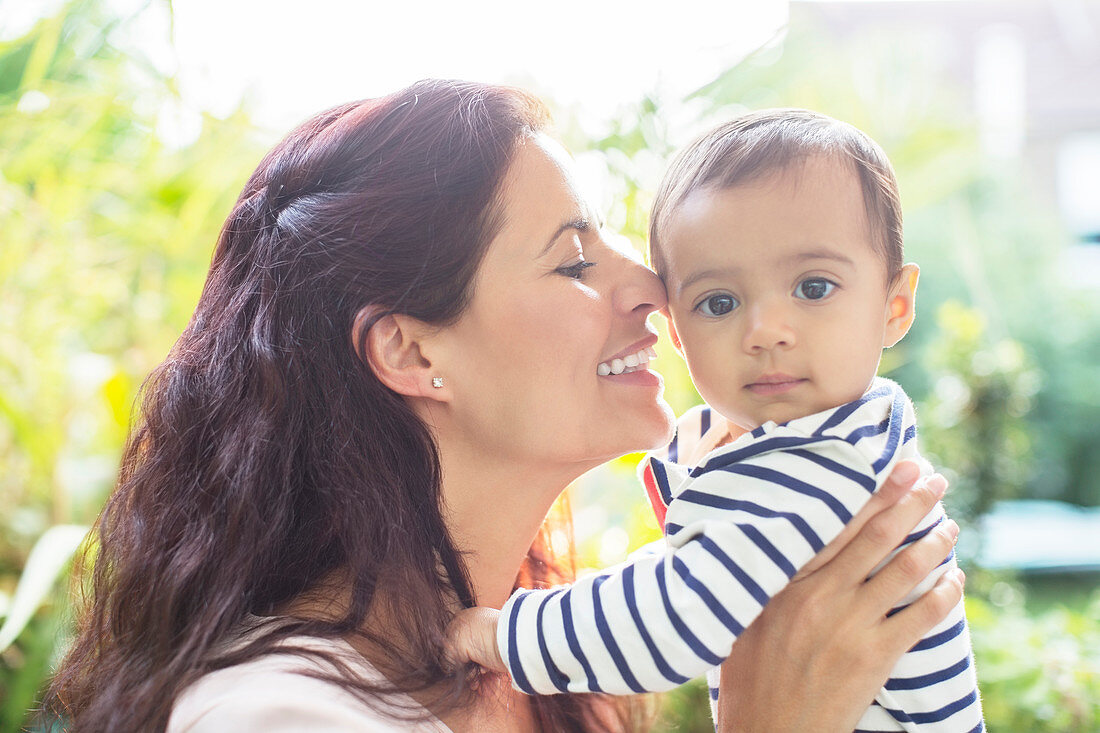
576,270
717,305
814,288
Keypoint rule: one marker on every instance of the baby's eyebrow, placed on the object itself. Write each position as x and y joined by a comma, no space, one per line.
822,253
695,277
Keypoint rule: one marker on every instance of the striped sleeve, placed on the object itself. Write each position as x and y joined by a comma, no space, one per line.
933,687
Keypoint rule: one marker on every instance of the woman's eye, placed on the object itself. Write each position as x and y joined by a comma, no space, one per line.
717,305
814,288
575,271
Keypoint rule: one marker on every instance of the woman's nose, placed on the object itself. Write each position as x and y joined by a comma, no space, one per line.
638,290
767,327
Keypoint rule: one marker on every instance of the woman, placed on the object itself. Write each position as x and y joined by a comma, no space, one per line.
389,378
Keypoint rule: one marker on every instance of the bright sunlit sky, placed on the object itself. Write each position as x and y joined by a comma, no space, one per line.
288,59
293,58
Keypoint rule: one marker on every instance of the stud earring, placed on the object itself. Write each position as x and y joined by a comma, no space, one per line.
437,382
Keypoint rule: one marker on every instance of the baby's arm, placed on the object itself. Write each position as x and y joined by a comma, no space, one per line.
737,535
932,688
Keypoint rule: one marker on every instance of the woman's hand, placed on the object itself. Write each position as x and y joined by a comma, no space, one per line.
822,648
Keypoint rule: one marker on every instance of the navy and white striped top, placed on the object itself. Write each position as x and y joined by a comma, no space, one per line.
738,526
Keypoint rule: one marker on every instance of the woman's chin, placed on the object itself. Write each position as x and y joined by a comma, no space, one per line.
652,430
664,426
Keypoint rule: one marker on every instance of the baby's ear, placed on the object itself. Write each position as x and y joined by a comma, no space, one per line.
672,334
901,305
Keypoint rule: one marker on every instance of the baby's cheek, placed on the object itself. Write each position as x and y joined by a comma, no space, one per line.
721,391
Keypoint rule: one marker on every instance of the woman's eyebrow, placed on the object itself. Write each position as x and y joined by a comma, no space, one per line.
581,224
595,216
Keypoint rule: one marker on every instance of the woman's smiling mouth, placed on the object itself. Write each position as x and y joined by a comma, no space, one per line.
627,364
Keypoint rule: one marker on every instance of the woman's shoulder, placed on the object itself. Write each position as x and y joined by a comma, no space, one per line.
275,692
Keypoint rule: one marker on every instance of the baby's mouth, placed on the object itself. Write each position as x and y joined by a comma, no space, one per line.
774,384
628,363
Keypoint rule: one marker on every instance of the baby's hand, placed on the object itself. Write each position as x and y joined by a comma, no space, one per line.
472,637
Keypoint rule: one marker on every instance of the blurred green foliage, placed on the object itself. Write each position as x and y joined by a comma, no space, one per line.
1037,672
108,229
982,390
107,232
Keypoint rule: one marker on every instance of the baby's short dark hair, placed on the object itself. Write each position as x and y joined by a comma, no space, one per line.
754,145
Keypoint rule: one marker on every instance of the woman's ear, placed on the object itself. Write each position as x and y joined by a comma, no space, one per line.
393,347
901,305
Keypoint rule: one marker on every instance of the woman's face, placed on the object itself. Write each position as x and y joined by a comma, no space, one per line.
554,305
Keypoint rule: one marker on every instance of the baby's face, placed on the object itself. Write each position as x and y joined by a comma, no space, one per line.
777,294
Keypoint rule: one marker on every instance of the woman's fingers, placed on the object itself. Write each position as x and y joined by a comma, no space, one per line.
908,626
912,565
904,475
885,531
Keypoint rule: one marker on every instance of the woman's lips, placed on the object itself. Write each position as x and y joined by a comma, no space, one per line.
639,378
774,384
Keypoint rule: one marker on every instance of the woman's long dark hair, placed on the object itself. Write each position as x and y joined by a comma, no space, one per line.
267,456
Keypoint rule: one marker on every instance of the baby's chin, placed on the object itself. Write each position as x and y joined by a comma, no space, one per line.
779,414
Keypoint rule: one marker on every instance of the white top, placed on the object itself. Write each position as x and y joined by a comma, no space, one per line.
270,694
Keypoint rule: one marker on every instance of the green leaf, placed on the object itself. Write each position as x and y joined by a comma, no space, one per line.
49,556
45,48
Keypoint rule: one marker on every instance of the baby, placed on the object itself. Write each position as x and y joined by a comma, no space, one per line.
778,236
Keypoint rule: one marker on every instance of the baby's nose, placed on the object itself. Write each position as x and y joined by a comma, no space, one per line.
768,328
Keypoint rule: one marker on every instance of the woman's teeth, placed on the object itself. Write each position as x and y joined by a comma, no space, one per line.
627,364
